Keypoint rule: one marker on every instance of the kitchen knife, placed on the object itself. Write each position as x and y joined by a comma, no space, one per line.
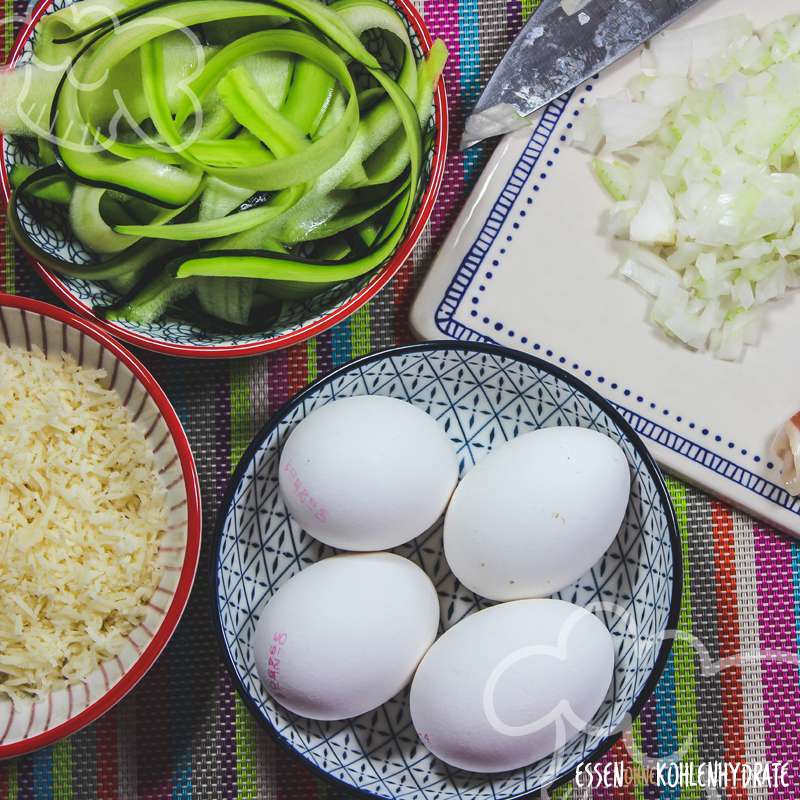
556,51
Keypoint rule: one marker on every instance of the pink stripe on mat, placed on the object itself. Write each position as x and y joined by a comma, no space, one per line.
442,18
781,684
277,381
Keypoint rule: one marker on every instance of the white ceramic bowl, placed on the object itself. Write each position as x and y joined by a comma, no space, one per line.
29,323
481,396
299,320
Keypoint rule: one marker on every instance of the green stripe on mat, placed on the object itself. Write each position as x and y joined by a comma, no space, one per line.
241,424
528,7
637,760
685,698
360,332
246,748
62,770
241,434
311,359
13,787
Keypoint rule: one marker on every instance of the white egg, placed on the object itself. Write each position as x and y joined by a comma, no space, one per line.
367,473
345,634
511,684
536,514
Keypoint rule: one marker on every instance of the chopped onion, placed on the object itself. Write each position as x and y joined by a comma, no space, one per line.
615,177
626,122
701,155
654,222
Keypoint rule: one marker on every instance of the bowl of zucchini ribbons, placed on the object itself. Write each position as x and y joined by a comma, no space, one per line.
221,177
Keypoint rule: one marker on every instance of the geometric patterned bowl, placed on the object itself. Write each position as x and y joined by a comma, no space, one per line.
298,320
481,396
29,323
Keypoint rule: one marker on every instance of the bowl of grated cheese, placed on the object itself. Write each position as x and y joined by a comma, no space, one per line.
100,523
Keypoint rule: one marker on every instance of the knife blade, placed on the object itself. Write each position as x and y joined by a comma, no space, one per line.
556,51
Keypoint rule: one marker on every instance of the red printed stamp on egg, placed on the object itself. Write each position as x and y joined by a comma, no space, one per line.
304,497
273,660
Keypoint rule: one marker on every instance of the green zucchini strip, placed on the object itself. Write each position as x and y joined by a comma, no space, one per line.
391,158
330,23
363,15
353,216
134,150
231,153
213,228
85,216
90,227
257,264
310,94
151,54
286,142
152,300
220,198
284,154
57,189
161,183
318,156
248,264
248,106
229,299
322,201
134,258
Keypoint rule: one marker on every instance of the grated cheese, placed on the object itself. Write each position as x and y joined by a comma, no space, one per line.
81,514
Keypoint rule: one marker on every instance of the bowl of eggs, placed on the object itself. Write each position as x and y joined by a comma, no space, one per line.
446,570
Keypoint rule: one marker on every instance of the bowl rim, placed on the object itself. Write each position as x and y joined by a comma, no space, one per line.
473,347
166,629
329,318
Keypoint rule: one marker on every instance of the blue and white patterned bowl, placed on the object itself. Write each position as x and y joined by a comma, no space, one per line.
482,396
298,320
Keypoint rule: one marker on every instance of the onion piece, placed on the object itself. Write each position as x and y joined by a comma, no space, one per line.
655,221
626,122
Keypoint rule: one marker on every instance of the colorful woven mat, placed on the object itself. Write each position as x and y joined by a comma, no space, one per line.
730,691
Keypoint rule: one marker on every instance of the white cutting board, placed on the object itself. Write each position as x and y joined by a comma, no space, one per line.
525,266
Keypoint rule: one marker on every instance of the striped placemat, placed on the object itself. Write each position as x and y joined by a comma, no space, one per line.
731,689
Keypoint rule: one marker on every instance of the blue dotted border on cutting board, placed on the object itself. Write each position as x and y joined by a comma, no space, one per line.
474,260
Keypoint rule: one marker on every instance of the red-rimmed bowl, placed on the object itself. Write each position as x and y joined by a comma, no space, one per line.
299,320
27,323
